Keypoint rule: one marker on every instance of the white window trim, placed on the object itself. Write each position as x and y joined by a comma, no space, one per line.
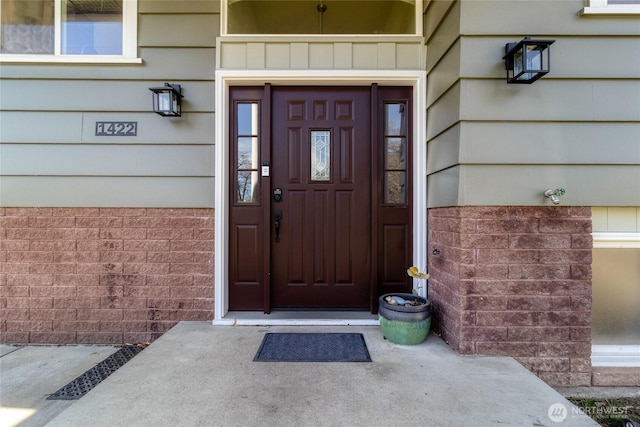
419,8
605,239
602,7
615,355
129,43
226,78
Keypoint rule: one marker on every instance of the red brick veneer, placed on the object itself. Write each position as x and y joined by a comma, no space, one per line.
515,281
89,275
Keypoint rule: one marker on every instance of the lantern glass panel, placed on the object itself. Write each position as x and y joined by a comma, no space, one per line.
534,58
165,102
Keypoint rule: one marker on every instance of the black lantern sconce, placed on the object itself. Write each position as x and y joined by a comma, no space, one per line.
167,100
527,60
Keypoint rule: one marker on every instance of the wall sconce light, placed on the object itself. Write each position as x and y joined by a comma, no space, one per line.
167,100
527,60
554,195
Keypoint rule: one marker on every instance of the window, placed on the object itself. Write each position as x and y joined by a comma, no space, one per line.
395,153
616,286
248,151
612,7
322,17
68,30
320,155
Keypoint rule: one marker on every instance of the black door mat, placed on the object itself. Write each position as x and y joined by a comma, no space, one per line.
94,376
313,347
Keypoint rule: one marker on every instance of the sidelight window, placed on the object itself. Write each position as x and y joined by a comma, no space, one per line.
395,153
247,154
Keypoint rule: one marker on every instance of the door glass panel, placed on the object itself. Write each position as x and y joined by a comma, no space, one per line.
395,153
248,187
394,188
395,149
395,120
247,152
320,155
247,119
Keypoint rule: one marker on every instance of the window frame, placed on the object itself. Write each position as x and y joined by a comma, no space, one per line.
602,7
418,15
129,42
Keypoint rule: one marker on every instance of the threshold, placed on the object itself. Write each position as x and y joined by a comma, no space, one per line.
298,318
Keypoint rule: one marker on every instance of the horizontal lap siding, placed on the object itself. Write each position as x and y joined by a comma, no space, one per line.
442,33
169,163
482,132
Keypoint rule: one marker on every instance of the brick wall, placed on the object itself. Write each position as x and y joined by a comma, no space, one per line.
515,281
103,276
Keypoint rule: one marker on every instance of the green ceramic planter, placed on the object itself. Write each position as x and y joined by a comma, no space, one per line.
405,325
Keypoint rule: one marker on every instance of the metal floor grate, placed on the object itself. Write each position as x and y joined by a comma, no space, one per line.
94,376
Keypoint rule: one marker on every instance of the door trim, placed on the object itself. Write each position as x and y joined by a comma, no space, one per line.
225,78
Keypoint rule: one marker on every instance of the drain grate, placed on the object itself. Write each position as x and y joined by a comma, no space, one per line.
94,376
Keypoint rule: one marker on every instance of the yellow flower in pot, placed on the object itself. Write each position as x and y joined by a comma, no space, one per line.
405,318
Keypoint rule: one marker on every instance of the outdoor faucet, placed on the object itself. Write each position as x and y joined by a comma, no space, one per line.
554,195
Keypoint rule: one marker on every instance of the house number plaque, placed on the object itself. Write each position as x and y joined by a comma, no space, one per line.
116,128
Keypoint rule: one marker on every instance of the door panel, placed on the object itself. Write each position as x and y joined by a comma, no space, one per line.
321,146
393,197
341,157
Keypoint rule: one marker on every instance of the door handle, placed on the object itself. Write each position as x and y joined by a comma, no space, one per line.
277,216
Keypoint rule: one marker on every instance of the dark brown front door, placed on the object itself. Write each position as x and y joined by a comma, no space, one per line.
319,196
321,168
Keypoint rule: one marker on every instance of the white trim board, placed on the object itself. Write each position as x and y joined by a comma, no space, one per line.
227,78
299,318
615,355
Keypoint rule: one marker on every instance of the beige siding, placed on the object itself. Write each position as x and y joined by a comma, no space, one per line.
299,52
107,160
79,127
616,219
585,185
572,56
96,95
98,191
576,128
50,154
179,30
536,18
181,6
159,62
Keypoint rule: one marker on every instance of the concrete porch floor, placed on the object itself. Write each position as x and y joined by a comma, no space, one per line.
198,374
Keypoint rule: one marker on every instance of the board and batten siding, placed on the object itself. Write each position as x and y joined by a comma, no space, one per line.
326,53
490,143
50,155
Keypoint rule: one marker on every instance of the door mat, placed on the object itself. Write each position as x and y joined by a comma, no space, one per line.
313,347
94,376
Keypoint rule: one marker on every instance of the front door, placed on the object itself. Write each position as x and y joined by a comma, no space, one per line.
320,186
321,169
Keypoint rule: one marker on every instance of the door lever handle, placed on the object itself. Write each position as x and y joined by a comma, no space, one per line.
277,216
